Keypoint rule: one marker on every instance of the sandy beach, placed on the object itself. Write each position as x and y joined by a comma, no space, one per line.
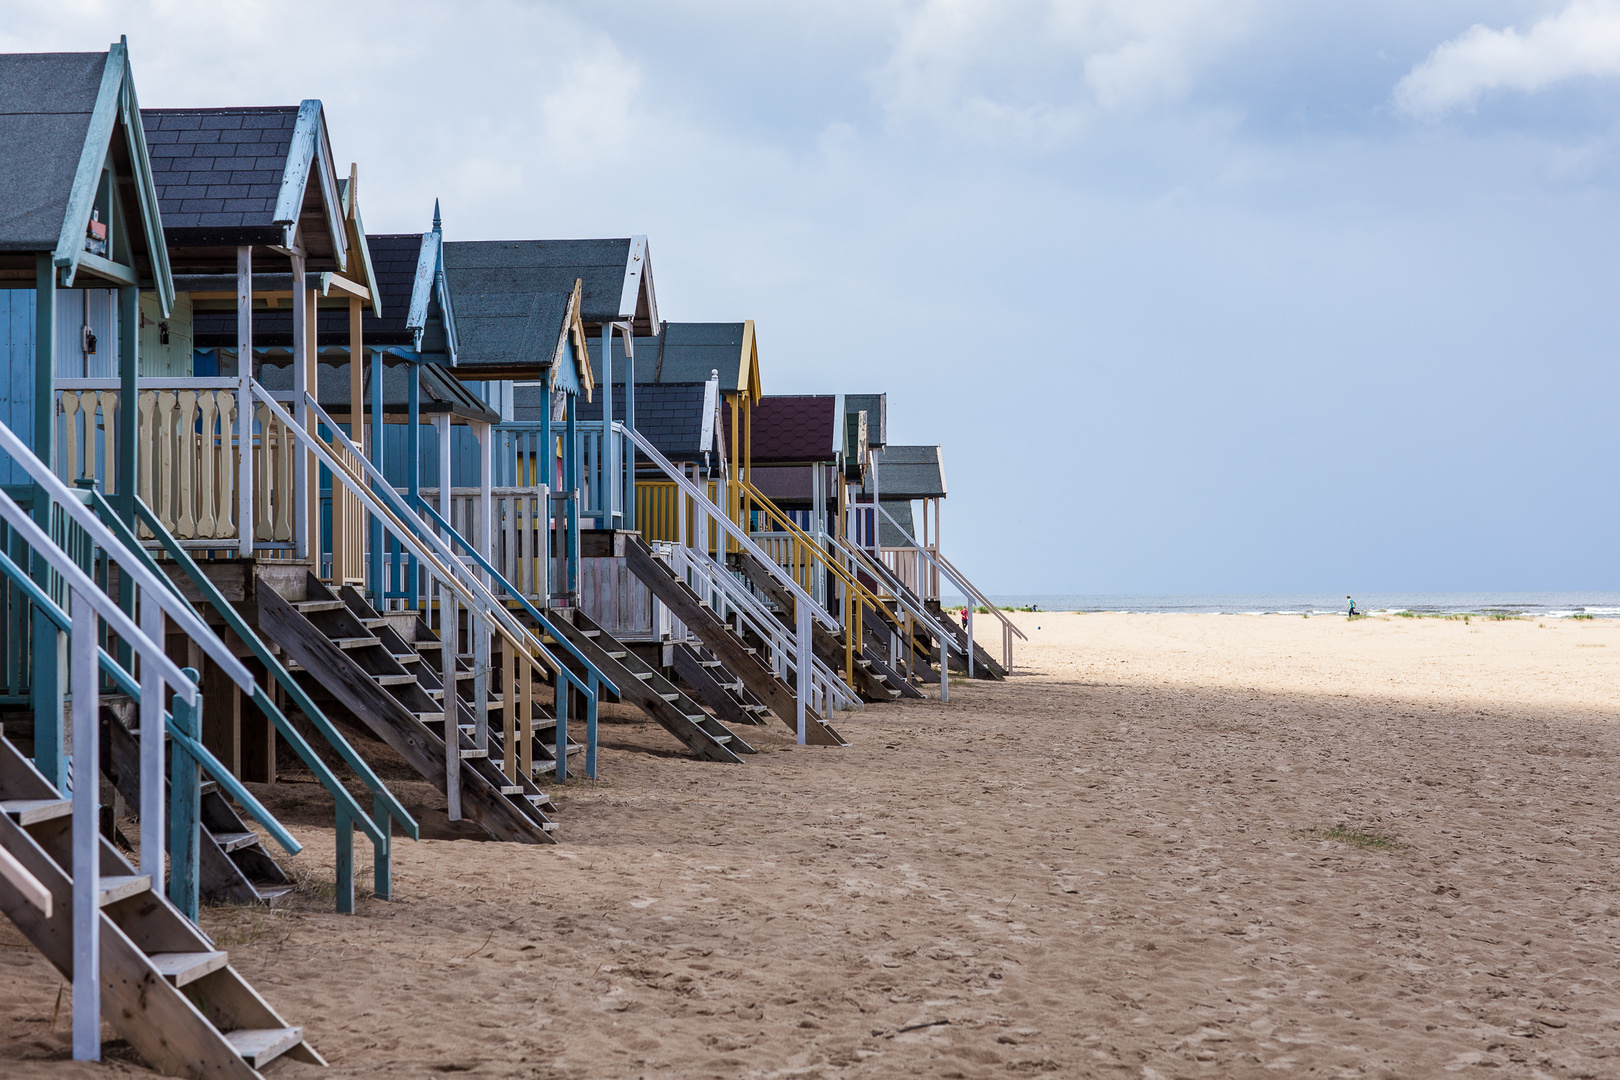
1169,846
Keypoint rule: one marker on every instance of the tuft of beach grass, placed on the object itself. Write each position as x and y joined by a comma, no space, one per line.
1354,835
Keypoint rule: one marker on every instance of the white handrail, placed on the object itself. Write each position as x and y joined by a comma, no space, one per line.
765,624
944,566
102,604
730,527
922,615
469,584
172,604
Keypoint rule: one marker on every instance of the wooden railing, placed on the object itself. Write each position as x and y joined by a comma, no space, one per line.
914,569
188,459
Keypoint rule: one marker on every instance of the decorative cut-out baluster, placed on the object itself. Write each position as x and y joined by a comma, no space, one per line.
225,524
264,471
185,450
143,455
70,435
207,494
284,490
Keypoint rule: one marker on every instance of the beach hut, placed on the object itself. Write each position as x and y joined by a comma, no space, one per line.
81,237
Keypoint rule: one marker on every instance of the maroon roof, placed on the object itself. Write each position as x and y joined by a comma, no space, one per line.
793,428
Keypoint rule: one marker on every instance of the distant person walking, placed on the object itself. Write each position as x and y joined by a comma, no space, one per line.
1352,604
964,620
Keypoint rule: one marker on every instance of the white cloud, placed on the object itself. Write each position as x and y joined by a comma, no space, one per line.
1032,71
1582,40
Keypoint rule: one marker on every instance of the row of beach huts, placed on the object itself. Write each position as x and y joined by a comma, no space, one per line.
278,494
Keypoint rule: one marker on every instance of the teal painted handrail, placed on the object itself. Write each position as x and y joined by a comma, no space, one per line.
534,612
260,698
128,685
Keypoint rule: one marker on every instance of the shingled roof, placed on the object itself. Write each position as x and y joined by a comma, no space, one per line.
688,352
237,176
905,473
794,429
61,123
876,408
671,417
617,274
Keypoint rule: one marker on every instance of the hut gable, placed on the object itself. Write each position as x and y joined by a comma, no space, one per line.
905,473
244,176
616,275
75,170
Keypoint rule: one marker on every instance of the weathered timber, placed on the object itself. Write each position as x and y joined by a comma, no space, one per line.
737,657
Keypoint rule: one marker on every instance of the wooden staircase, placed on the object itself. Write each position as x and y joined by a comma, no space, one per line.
709,681
165,988
368,668
234,867
874,682
644,686
985,666
737,655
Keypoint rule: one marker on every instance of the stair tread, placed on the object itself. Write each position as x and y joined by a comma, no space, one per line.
231,841
116,887
319,605
260,1046
469,754
31,811
355,642
184,967
618,655
395,680
644,676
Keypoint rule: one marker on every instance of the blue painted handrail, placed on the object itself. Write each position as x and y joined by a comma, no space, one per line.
128,685
260,699
534,612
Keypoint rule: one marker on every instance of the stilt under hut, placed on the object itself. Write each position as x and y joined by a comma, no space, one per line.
81,229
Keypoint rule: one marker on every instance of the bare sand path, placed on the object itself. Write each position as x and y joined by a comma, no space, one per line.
1118,863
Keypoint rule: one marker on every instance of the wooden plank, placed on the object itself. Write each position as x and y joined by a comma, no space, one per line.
719,639
703,682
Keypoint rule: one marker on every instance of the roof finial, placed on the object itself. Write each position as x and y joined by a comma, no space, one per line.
436,224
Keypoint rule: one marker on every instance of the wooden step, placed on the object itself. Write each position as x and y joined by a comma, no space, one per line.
183,967
408,657
618,655
307,606
116,887
511,789
27,812
590,633
710,663
644,676
470,754
394,680
234,841
355,642
260,1046
670,697
420,645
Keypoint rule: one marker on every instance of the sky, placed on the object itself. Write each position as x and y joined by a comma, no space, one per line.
1208,296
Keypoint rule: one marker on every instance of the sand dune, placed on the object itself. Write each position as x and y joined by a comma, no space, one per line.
1171,846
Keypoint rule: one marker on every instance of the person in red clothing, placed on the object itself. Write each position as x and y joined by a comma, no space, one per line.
964,619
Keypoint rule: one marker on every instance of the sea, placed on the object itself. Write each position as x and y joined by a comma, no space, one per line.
1541,605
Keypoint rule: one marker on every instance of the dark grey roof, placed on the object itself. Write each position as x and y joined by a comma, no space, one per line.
509,333
540,266
876,408
908,472
682,353
888,535
671,417
440,392
45,104
219,168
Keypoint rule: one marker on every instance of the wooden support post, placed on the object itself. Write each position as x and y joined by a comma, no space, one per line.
561,698
413,464
345,863
452,717
258,734
300,410
944,670
382,852
477,626
509,709
49,667
590,727
342,571
129,319
607,467
244,404
185,810
521,662
222,718
803,664
629,467
374,448
86,858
